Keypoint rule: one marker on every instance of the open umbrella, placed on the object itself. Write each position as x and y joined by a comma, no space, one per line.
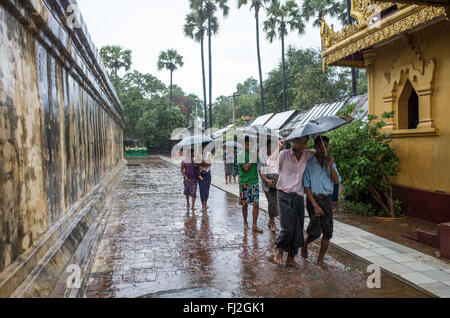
194,140
259,129
319,126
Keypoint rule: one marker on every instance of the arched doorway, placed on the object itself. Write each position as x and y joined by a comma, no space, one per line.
408,107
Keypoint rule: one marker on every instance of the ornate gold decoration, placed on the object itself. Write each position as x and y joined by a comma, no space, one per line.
354,38
364,10
421,74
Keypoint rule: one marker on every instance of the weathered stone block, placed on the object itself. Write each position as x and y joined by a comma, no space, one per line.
444,237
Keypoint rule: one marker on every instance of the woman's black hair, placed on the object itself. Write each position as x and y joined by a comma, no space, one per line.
318,140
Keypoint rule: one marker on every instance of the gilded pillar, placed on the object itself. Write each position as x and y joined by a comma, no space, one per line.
369,61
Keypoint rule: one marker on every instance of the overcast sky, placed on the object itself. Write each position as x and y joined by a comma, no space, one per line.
149,26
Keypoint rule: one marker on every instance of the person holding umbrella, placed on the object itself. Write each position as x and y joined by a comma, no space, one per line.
319,179
291,166
190,175
205,176
268,171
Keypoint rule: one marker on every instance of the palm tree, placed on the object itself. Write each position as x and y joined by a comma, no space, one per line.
320,8
279,17
115,58
195,28
340,9
170,60
210,6
257,4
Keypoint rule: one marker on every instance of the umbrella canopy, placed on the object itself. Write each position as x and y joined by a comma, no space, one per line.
232,144
319,126
194,140
259,129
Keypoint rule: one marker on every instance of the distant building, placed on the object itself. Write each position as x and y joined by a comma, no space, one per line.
328,109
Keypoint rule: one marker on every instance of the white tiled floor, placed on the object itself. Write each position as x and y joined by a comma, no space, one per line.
418,266
379,260
438,275
399,258
364,253
384,251
397,269
418,278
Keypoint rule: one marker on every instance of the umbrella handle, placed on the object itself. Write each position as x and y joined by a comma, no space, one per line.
326,152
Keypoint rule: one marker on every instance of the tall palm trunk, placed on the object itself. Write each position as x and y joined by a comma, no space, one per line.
261,85
284,68
171,77
205,109
210,68
349,6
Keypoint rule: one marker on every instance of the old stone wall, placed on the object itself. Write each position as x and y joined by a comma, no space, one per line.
61,124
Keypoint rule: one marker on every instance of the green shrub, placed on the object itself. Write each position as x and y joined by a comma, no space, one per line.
365,160
358,208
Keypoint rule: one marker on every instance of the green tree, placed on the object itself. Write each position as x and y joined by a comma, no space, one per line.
317,9
257,5
222,111
194,28
248,103
186,103
116,58
170,60
147,84
157,123
365,160
211,7
279,17
308,84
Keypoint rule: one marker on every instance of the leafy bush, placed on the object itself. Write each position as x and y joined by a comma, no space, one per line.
358,208
365,160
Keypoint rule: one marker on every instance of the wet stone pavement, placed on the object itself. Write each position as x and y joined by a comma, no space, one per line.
154,247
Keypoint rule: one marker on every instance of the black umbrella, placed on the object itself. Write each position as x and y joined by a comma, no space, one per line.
319,126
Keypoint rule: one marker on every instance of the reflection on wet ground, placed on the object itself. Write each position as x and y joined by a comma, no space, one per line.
154,246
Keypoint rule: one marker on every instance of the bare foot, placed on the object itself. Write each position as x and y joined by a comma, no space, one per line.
304,252
273,227
291,262
257,229
321,264
246,227
278,258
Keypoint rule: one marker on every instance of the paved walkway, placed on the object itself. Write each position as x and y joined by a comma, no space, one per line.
154,247
422,271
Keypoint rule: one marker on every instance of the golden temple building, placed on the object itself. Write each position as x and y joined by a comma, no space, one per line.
405,49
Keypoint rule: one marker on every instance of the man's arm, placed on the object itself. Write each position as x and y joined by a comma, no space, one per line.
276,153
333,173
266,180
182,171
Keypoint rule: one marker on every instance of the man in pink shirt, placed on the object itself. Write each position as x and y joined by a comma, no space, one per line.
292,164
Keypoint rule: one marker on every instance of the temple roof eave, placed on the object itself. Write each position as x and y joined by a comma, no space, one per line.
338,47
